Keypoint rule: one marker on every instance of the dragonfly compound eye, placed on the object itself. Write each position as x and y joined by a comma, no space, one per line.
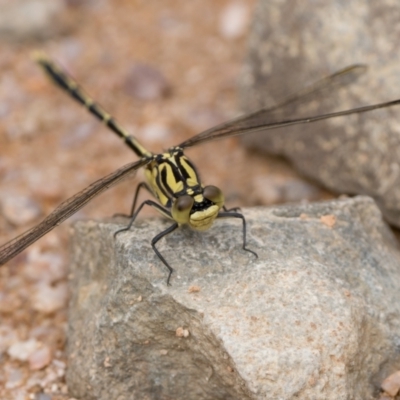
214,194
181,209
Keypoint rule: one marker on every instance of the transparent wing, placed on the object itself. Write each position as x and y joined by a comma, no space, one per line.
269,118
257,125
332,82
69,207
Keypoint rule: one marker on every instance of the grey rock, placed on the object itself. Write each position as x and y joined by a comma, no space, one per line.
293,44
316,316
280,189
30,19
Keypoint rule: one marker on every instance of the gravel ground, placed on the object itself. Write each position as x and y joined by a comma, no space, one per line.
166,72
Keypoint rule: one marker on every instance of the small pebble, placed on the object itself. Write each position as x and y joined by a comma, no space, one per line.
154,132
145,82
10,303
48,299
14,378
7,336
22,350
391,384
46,267
19,210
234,20
60,367
328,220
201,118
77,135
42,332
106,362
181,332
63,389
40,358
194,289
51,190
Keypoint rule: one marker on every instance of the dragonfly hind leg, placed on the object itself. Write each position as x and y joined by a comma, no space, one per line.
233,214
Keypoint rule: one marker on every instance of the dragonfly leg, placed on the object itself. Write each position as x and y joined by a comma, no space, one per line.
234,209
233,214
163,211
151,203
141,185
153,245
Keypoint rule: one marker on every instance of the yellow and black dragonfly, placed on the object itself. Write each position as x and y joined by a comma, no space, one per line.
171,177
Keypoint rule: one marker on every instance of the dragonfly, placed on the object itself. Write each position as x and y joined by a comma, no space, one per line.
171,178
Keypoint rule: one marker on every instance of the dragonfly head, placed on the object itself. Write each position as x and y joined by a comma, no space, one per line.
198,211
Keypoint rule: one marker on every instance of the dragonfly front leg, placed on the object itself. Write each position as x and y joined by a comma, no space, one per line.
233,214
234,209
153,245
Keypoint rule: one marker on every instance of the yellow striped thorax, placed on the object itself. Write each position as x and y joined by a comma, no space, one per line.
175,182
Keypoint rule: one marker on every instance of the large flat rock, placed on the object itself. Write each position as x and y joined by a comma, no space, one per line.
292,45
317,316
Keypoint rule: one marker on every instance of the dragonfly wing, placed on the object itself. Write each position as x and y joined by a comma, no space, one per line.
261,125
282,110
66,209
